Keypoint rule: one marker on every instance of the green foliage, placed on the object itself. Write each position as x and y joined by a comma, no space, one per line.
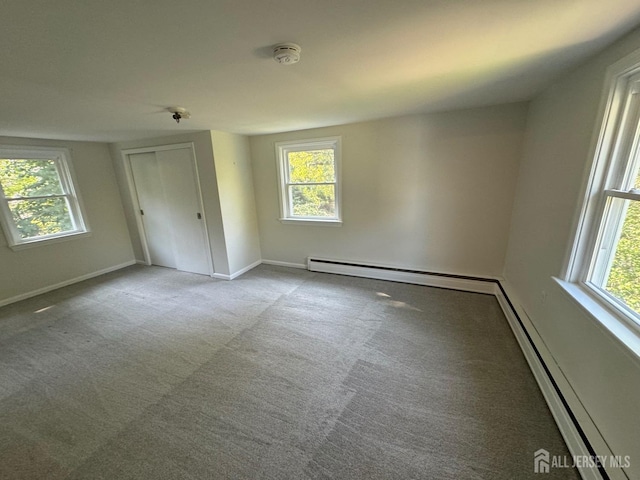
624,278
310,169
29,178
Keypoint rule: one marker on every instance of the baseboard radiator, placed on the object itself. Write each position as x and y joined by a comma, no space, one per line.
540,360
403,275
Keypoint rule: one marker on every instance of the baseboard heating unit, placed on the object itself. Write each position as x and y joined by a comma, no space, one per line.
404,275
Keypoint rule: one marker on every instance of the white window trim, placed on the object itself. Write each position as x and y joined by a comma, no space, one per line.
282,148
62,157
617,319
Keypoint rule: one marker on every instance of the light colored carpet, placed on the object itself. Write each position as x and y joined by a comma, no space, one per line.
149,373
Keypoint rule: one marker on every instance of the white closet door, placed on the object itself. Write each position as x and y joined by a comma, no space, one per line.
154,207
184,212
167,190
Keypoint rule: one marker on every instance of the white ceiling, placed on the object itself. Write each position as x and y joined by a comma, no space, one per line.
106,69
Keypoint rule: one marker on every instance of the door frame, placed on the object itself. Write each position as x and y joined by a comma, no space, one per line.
133,195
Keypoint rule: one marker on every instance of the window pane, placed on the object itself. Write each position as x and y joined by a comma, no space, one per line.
34,218
313,200
27,178
312,166
624,277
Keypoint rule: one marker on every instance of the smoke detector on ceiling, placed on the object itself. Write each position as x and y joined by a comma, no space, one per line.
287,53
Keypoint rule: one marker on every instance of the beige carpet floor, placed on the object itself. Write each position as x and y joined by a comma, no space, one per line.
150,373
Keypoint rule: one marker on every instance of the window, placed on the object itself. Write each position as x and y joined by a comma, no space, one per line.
38,201
606,257
309,181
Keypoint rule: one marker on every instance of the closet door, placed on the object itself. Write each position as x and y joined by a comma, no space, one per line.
184,212
167,190
153,208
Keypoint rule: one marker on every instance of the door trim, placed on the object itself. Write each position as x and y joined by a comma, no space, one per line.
133,195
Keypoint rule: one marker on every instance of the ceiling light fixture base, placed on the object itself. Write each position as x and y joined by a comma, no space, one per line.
179,113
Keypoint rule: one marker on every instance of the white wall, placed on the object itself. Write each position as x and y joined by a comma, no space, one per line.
604,374
427,191
108,245
209,185
237,201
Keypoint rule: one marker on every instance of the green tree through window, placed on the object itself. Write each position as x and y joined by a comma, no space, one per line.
312,174
624,277
38,200
34,195
309,180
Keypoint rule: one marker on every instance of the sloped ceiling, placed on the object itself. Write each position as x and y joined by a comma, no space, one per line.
107,70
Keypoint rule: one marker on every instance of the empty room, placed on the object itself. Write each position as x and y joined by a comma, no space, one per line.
320,240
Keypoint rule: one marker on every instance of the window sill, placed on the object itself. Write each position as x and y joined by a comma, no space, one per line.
308,221
48,241
622,329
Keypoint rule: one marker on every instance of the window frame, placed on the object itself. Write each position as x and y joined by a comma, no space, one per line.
282,151
615,153
62,160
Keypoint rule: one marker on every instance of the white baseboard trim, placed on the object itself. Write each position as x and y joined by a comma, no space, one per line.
284,264
221,276
245,269
48,288
403,275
